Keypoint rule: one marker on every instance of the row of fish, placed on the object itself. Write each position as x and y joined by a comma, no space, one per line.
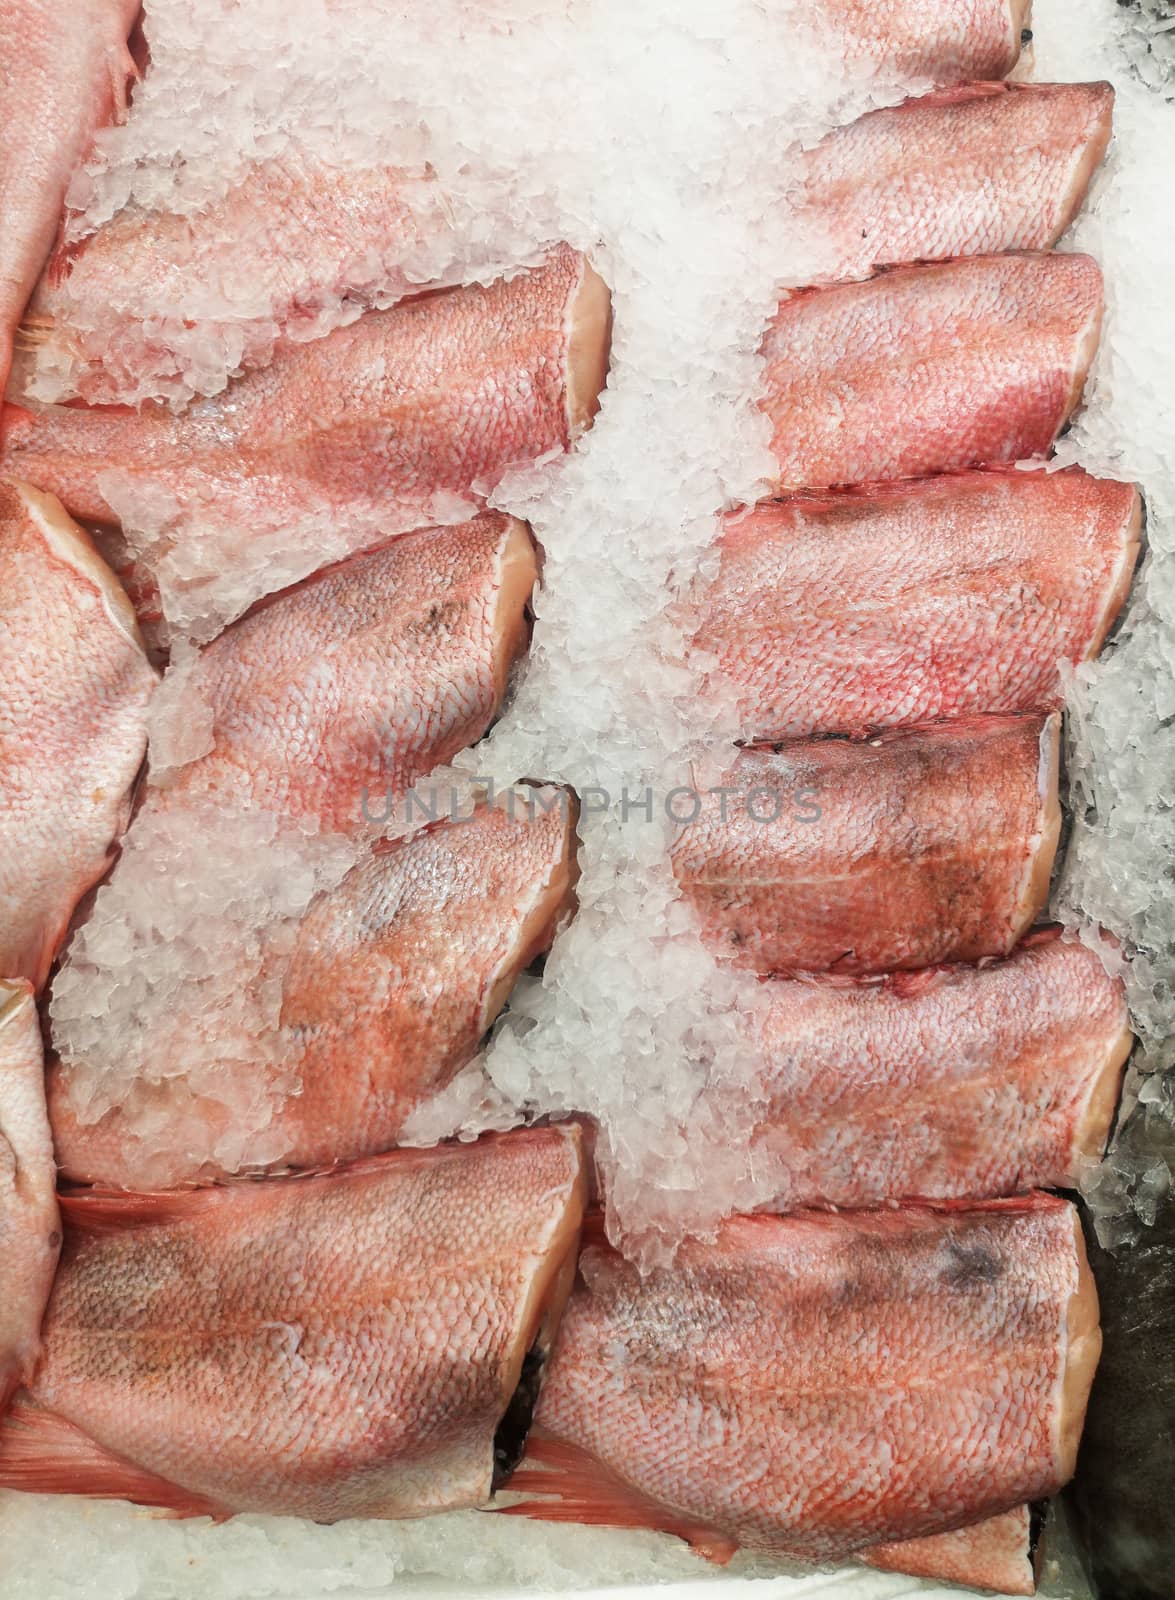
381,1333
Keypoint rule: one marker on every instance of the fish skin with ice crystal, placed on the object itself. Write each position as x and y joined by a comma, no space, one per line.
917,846
67,70
902,603
973,170
395,414
73,724
157,303
819,1384
345,1345
929,368
393,980
327,702
944,40
30,1226
950,1083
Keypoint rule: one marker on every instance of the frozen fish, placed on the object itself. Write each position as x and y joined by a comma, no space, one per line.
398,414
918,846
901,603
944,40
956,1082
967,171
820,1384
363,1344
73,724
929,368
393,979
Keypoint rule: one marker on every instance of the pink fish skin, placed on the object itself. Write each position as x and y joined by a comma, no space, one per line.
347,1345
955,1083
394,979
67,66
903,603
123,320
994,1554
73,725
819,1384
436,397
918,846
944,40
30,1226
973,170
346,689
927,369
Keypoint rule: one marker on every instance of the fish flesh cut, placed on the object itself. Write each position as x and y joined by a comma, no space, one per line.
929,368
161,304
819,1384
393,979
30,1227
918,846
951,1083
66,74
362,1344
973,170
400,413
329,701
945,40
903,603
73,724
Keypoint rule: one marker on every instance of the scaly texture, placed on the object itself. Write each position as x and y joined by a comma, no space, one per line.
340,1346
73,724
941,39
815,1385
926,369
292,249
396,414
967,171
338,695
393,979
922,845
30,1227
995,1554
953,1083
66,70
901,604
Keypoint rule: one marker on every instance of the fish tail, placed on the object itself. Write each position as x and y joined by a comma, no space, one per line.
44,1453
576,1487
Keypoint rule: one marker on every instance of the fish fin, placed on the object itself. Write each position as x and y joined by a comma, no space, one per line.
586,1491
96,1212
43,1453
994,1554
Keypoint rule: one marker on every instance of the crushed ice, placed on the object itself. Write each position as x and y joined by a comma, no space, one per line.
657,138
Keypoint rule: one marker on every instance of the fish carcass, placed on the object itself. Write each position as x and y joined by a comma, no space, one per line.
363,1344
917,846
819,1384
